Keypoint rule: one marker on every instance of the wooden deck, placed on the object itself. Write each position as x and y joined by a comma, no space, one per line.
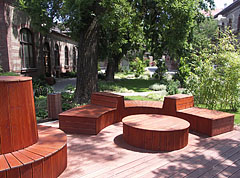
107,155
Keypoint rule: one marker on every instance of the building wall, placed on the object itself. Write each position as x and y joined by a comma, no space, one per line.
3,39
11,22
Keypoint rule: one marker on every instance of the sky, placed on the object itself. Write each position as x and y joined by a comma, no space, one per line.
220,3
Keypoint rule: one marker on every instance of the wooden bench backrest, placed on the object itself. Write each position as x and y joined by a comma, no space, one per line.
105,99
177,102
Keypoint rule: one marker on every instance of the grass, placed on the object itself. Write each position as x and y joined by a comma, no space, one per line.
133,85
142,98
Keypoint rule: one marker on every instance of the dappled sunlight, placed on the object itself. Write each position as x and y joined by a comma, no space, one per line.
108,155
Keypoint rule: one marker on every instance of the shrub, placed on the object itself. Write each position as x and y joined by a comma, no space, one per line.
157,96
157,87
172,87
41,88
137,66
215,81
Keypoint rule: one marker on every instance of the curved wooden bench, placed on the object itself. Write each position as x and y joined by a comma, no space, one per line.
104,110
142,107
25,150
45,158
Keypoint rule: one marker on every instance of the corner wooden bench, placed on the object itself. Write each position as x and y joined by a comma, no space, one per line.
104,110
25,149
204,121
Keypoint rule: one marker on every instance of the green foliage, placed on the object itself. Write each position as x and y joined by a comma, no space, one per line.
161,69
1,69
41,107
214,81
137,66
157,87
158,96
41,88
203,35
68,74
8,74
68,98
172,87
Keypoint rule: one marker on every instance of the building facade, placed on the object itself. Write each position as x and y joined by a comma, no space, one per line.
26,51
230,17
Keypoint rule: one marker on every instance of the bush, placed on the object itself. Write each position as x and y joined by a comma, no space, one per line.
68,74
172,87
137,66
41,88
68,98
41,107
215,81
157,96
157,87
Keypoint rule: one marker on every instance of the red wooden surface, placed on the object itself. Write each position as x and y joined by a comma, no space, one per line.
18,121
104,110
23,151
142,107
155,132
177,102
208,122
46,158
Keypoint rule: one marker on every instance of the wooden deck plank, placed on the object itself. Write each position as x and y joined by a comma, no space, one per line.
107,155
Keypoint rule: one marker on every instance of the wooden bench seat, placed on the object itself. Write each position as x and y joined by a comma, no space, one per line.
208,122
46,158
104,110
204,121
142,107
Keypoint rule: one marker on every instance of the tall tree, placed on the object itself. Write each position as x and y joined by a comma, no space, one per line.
168,24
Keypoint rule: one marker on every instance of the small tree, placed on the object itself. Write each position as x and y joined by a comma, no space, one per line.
215,80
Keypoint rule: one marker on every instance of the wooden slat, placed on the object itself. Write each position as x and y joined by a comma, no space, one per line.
3,163
12,161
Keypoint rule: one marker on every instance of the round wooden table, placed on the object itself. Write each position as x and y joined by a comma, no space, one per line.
155,132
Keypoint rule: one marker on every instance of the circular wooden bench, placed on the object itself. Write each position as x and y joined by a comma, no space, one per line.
155,132
25,150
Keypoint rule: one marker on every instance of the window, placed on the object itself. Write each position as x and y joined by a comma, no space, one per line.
74,57
26,49
56,55
230,23
238,25
66,56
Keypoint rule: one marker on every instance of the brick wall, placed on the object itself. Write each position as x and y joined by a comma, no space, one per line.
11,22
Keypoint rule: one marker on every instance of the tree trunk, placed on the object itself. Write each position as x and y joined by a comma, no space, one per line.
87,64
110,70
112,66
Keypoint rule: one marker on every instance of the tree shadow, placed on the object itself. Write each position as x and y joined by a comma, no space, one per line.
211,157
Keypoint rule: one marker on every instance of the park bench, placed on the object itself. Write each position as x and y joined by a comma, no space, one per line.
25,149
104,110
204,121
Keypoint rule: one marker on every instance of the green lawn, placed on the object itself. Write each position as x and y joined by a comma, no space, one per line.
126,85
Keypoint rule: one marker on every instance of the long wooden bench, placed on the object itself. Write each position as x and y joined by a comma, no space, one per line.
104,110
25,150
